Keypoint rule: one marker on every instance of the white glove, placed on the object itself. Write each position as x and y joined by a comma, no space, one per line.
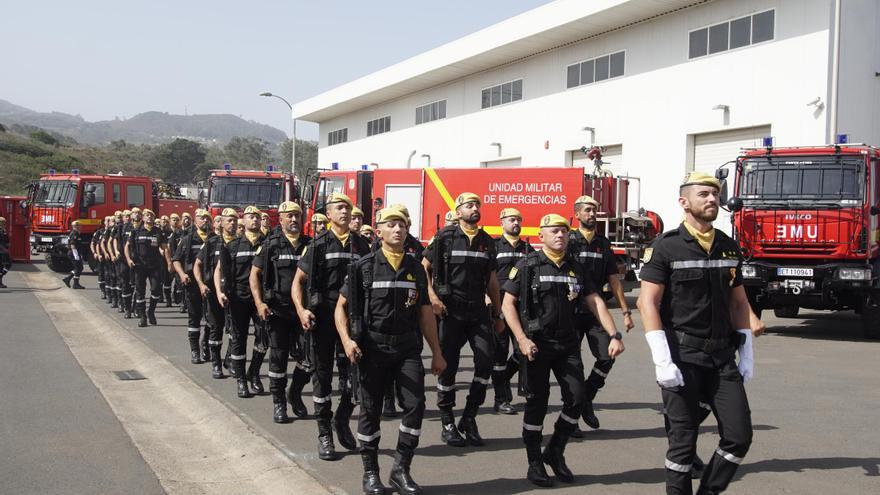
668,374
746,363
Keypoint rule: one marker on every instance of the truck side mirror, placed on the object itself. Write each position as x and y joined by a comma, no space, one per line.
721,173
310,193
723,193
735,204
88,199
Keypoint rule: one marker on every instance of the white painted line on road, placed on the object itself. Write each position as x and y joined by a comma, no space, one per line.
191,440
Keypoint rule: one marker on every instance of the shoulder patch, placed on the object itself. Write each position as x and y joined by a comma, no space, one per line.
304,251
646,257
259,249
410,277
512,274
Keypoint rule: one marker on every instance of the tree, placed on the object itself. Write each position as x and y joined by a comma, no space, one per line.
2,128
306,154
44,137
248,152
177,161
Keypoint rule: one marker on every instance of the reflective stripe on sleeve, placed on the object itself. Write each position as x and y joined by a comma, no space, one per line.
588,254
394,284
472,254
242,254
678,265
511,254
559,279
349,256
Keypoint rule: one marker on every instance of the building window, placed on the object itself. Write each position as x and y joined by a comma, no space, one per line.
597,69
431,112
502,94
378,126
337,137
729,35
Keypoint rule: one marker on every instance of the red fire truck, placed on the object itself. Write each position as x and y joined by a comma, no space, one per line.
238,189
430,192
56,200
807,221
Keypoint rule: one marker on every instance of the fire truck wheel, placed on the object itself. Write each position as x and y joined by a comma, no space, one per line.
59,264
871,321
786,312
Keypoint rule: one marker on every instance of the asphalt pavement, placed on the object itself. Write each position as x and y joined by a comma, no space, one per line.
813,403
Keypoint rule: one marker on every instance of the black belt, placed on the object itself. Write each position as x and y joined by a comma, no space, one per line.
390,339
709,345
472,305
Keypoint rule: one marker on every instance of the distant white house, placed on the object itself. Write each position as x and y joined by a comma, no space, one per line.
667,86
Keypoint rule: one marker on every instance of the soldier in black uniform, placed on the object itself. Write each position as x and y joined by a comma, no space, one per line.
271,280
541,298
123,271
368,233
75,252
146,252
5,259
696,317
184,258
105,246
460,262
203,272
593,250
509,249
94,244
383,338
232,283
319,276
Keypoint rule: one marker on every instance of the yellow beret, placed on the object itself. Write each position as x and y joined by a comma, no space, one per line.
586,200
320,217
339,198
357,212
151,212
451,216
126,212
165,217
510,212
388,214
288,207
465,198
186,214
701,179
229,212
252,210
117,213
175,215
554,220
75,222
366,228
201,212
135,210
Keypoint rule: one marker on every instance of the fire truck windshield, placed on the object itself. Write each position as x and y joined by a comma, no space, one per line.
822,179
243,191
55,192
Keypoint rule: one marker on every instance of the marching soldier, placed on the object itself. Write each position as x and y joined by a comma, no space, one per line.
265,224
509,249
593,250
167,271
382,316
541,296
94,247
146,252
123,271
319,276
203,272
183,261
696,317
111,272
271,280
74,254
177,233
368,233
357,219
319,223
451,218
460,262
231,281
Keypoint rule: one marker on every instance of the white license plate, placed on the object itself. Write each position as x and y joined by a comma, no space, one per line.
47,239
795,272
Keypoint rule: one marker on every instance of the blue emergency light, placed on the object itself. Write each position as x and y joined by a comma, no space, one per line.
74,171
767,141
365,167
51,171
227,167
842,139
270,168
334,166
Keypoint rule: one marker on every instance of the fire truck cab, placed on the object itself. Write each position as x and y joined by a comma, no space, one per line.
238,189
806,219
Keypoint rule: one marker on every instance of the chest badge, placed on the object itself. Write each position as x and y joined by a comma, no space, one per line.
732,276
646,257
412,295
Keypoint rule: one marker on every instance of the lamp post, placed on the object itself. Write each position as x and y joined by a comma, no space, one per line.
429,159
293,141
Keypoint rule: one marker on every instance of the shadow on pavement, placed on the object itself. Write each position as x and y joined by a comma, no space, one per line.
839,326
871,465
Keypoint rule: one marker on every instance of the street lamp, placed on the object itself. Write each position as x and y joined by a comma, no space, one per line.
293,141
429,159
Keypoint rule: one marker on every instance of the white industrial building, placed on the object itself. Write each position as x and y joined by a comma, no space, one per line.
667,86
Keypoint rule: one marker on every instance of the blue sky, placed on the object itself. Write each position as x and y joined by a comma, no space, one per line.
105,59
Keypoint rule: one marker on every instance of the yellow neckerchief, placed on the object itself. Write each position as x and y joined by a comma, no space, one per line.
292,238
512,239
705,239
135,225
343,238
264,230
470,233
148,227
554,256
202,235
394,259
252,236
227,238
588,234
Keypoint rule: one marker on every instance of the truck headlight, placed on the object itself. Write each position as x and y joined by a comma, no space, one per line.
64,240
854,274
749,271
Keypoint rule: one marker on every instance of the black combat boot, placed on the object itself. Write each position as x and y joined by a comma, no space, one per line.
468,426
67,279
253,372
553,457
103,287
503,395
280,415
326,449
113,298
128,306
151,313
449,434
216,366
372,484
168,302
205,348
294,393
142,314
241,380
697,468
588,414
400,478
76,284
536,473
340,423
195,355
